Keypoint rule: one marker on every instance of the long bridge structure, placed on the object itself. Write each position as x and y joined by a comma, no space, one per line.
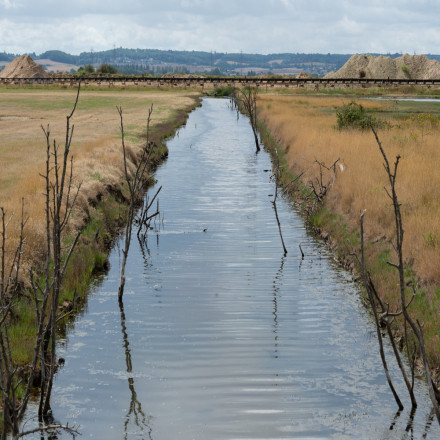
213,82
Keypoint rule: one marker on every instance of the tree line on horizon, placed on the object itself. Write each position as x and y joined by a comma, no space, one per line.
195,58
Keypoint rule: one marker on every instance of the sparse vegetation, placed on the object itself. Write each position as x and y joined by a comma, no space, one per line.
305,127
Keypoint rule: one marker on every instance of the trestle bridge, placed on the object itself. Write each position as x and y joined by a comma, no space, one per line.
213,82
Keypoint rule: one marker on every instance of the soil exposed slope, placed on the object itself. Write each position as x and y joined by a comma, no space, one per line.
23,67
404,67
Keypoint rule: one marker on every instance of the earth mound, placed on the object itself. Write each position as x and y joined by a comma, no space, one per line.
23,67
381,67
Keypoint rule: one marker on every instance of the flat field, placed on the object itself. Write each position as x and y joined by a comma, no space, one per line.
24,111
96,144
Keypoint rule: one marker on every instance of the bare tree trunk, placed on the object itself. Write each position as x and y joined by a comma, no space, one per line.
60,201
9,277
135,182
128,233
416,327
376,319
276,175
247,101
385,315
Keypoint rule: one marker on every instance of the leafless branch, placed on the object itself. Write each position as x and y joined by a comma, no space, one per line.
135,182
275,176
51,427
416,328
246,101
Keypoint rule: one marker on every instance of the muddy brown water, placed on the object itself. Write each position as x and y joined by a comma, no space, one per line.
221,336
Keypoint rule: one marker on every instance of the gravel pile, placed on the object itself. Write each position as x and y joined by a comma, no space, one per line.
404,67
23,67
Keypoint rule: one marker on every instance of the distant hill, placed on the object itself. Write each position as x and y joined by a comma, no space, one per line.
224,62
59,56
157,61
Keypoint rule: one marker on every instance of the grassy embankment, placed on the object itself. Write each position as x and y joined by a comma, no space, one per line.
303,127
98,165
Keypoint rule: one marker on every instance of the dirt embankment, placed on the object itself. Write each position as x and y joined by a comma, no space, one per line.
381,67
23,67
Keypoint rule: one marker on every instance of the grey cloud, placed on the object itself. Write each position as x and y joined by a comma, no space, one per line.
252,26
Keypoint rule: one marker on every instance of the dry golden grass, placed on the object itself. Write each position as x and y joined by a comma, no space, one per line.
96,145
306,126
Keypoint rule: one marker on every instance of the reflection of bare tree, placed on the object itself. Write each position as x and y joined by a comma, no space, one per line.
135,411
48,429
277,282
410,425
145,251
428,423
409,429
394,421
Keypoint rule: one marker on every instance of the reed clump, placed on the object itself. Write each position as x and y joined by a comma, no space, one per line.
306,127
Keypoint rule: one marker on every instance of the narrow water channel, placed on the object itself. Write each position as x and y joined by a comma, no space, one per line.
220,336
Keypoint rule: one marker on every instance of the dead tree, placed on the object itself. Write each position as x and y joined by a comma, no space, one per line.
387,318
60,198
136,183
416,326
319,188
10,378
276,176
377,321
248,105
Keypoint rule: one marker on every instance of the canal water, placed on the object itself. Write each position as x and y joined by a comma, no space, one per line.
220,336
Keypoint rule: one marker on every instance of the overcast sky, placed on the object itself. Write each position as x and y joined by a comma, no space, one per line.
253,26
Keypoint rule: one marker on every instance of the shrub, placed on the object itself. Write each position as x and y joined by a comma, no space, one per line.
89,69
107,68
223,91
405,69
354,115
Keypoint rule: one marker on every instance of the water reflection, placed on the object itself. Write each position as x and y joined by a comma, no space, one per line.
49,429
428,424
145,251
277,284
135,412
